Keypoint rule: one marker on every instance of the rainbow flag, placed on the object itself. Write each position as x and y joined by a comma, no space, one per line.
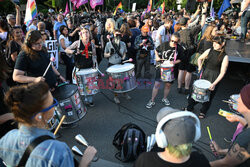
119,6
162,8
149,6
31,12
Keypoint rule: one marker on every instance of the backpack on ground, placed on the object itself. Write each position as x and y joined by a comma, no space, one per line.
130,141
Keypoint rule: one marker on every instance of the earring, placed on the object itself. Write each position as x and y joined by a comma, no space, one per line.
39,117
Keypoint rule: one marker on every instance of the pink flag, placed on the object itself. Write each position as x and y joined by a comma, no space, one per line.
81,2
94,3
74,2
66,9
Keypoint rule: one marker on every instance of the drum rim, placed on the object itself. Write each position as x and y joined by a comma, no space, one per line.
199,80
122,65
69,95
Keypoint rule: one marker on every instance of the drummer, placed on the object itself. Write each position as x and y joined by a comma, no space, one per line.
33,61
116,51
32,116
85,56
214,70
168,53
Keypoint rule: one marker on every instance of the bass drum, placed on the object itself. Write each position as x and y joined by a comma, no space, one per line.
69,103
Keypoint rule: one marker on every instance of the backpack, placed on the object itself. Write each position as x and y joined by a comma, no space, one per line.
130,141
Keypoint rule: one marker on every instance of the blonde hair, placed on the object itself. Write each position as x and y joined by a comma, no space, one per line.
112,22
179,151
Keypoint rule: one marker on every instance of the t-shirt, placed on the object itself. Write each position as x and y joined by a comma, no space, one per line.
243,139
57,28
115,58
151,159
164,35
37,67
13,47
66,42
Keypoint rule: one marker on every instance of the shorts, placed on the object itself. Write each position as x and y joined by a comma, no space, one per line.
158,76
186,66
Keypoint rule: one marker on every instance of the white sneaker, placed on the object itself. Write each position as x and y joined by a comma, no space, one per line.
150,104
117,101
127,96
166,101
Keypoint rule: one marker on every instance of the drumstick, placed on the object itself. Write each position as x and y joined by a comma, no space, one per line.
229,102
211,139
129,60
45,72
100,72
59,125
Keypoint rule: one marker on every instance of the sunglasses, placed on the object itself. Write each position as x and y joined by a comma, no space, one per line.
176,42
55,103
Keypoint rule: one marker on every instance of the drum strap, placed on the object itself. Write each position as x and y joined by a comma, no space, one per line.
117,49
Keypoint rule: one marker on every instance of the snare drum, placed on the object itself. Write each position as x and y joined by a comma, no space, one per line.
234,105
122,77
69,103
86,80
200,90
167,72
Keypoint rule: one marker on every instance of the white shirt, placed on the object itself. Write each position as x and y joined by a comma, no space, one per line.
66,42
164,37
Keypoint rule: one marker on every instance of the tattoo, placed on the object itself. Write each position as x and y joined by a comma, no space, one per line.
237,152
240,156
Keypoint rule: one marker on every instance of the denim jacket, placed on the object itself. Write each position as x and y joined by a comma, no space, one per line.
51,153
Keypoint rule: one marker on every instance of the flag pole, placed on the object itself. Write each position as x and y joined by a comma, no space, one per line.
70,7
211,6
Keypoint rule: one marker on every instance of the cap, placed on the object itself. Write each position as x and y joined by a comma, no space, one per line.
145,29
183,21
245,95
180,130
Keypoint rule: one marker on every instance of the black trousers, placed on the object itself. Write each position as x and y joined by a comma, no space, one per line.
205,106
68,61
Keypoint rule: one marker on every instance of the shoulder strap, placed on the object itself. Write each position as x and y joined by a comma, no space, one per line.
31,147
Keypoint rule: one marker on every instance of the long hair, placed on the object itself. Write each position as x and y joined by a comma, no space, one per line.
112,21
208,33
61,30
31,37
4,68
125,30
221,41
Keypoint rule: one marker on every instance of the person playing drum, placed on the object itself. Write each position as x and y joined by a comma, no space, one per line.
32,116
116,51
169,53
33,60
85,56
216,63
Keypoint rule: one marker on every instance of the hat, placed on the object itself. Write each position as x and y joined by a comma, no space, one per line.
145,29
245,95
178,131
183,21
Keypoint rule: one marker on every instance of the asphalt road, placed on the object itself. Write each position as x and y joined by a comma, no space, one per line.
103,120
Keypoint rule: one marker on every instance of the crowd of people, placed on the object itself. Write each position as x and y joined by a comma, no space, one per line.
183,42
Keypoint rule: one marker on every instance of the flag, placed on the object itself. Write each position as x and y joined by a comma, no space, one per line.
94,3
143,14
162,8
31,12
119,6
74,4
81,2
149,6
212,14
225,4
66,9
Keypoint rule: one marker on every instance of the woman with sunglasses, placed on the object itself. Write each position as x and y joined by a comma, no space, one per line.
216,63
32,116
34,60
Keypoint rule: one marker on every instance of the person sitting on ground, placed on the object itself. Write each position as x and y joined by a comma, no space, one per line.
239,152
175,133
33,116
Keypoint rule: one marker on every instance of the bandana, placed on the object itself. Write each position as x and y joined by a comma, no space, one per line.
85,51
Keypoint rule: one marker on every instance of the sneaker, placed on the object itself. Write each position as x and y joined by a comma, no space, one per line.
166,101
179,90
186,92
117,101
127,96
91,104
150,104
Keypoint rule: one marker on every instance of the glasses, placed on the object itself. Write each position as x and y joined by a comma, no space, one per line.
55,103
38,44
176,42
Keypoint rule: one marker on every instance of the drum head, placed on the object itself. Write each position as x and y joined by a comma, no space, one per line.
64,91
118,68
167,65
86,71
202,83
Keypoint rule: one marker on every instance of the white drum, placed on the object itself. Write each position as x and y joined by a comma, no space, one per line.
122,77
86,80
167,72
200,90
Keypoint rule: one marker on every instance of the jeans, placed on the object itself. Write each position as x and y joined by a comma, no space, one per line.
68,61
140,62
244,20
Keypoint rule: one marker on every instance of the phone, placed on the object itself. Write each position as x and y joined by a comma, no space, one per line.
224,113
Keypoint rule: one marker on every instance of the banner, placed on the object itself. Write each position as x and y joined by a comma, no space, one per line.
134,7
81,2
52,49
94,3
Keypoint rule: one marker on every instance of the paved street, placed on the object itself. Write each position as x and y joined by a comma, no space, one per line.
104,119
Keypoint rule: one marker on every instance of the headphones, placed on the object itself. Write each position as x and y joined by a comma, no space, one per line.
161,137
27,40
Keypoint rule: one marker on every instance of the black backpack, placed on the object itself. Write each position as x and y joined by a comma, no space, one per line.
130,141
